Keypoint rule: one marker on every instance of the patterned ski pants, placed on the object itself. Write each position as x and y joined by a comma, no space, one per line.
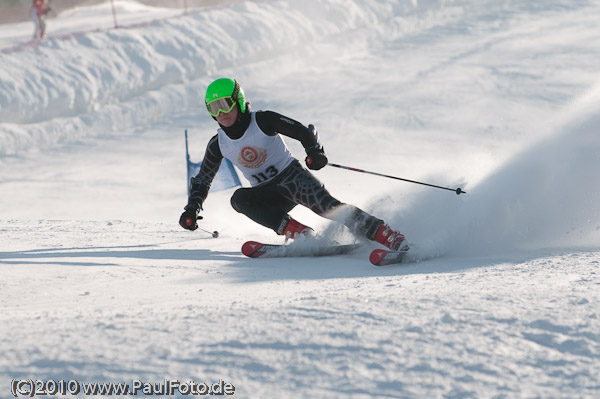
269,204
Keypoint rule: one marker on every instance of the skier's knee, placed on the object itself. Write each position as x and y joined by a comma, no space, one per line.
236,199
242,199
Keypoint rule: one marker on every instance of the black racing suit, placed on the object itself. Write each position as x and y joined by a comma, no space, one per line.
269,203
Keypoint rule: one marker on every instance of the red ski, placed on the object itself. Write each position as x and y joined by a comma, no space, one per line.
254,249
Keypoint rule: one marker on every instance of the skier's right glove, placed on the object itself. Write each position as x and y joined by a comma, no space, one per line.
189,217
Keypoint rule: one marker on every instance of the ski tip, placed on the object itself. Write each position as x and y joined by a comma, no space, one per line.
377,256
384,257
250,249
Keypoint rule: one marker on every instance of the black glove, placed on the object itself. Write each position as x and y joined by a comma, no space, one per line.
316,158
189,217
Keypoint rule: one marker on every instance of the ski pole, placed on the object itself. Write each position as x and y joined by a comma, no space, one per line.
215,233
189,221
458,191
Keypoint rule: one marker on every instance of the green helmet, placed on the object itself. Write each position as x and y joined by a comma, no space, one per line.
222,95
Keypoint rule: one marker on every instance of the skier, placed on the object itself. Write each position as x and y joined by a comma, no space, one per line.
252,141
37,13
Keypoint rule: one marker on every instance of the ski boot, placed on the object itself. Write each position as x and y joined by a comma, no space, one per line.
294,229
390,238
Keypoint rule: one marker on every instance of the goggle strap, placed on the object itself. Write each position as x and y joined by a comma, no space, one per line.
236,91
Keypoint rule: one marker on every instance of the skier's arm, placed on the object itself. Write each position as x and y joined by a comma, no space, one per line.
272,123
200,184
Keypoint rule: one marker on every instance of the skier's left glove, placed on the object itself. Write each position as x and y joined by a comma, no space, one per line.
315,158
188,219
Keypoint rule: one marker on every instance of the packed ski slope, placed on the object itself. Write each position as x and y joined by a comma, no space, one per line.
100,284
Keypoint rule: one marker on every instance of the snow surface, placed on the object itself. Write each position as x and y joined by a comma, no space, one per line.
501,98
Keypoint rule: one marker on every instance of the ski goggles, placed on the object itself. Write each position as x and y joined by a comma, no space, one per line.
224,105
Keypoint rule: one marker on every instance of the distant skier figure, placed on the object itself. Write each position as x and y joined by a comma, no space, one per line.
37,13
252,141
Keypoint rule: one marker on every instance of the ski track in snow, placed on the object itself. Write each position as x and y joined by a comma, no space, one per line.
99,283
